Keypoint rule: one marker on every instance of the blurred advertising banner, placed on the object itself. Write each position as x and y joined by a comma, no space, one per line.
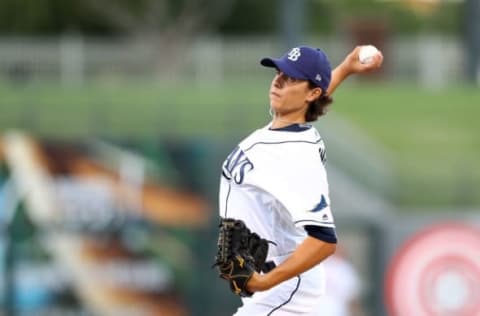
95,228
436,272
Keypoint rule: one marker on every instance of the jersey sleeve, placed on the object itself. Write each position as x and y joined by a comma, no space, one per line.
326,234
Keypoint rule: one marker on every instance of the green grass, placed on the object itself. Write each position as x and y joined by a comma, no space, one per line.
432,137
139,110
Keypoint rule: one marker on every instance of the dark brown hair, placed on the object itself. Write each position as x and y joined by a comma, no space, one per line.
319,106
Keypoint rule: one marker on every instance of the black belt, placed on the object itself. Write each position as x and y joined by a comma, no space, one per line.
268,266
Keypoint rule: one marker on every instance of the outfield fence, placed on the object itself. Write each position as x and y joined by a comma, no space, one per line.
430,60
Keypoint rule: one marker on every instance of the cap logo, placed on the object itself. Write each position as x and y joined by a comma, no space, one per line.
294,54
318,77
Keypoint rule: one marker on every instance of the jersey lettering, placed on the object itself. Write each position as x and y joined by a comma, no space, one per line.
294,54
236,165
323,153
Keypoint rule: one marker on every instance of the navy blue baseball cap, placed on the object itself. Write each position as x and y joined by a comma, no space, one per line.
305,63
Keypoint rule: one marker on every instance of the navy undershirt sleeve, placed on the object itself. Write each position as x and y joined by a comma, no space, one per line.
326,234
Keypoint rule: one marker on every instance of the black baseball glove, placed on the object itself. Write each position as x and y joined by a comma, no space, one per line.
240,253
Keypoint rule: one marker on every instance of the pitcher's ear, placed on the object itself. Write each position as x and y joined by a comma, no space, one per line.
315,93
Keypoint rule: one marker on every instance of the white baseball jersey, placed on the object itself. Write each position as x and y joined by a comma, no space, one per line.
276,182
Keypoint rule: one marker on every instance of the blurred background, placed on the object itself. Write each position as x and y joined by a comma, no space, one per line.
116,115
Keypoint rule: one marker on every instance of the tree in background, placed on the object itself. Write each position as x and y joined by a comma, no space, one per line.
48,17
167,25
111,17
120,17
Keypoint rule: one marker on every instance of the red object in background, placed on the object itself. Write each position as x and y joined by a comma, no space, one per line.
436,272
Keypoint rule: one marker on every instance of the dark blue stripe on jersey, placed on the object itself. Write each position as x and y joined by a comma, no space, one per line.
225,175
293,128
226,199
312,220
284,142
326,234
289,299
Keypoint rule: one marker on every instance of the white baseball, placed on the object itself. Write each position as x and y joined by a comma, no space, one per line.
366,53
